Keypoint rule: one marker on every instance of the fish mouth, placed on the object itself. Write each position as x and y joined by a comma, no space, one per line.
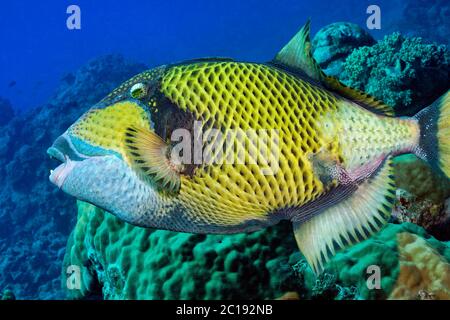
59,175
63,151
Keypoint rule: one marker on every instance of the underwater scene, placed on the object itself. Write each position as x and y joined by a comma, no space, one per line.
225,150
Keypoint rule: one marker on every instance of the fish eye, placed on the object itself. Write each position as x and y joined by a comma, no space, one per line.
138,90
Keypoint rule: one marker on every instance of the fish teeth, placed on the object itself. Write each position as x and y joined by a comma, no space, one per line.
51,171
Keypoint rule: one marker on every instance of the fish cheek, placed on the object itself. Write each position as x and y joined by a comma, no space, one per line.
105,127
108,183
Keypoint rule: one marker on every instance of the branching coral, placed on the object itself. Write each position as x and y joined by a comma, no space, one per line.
403,72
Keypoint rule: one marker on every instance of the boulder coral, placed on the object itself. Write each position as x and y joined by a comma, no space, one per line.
120,261
422,270
416,177
333,43
385,251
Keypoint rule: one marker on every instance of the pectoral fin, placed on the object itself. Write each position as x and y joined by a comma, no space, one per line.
351,218
150,154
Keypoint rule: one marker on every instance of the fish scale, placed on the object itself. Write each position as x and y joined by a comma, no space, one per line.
244,95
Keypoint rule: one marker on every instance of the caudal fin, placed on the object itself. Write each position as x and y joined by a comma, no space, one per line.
434,144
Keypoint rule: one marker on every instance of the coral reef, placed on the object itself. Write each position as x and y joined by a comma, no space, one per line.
30,265
7,295
428,19
434,218
119,261
6,111
36,217
112,256
421,196
409,75
385,250
424,273
416,177
403,72
333,43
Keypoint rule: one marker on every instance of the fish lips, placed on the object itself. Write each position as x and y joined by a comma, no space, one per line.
64,151
59,175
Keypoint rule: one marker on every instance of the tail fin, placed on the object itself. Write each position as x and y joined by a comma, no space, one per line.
434,144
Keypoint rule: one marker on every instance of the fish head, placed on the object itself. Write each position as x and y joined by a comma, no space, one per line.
95,164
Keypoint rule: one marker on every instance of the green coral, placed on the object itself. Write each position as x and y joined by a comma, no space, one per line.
380,250
121,261
7,295
403,72
128,262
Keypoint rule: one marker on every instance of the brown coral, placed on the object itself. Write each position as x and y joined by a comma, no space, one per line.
422,270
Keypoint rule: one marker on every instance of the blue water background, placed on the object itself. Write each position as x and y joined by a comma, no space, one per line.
37,49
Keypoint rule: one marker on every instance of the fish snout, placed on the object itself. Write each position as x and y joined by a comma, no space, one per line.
64,151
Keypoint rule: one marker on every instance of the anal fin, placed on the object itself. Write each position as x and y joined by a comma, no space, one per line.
349,220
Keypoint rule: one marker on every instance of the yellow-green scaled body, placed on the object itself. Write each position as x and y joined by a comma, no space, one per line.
309,119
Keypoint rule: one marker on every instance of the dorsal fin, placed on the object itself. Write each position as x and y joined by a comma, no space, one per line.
204,59
364,99
296,55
